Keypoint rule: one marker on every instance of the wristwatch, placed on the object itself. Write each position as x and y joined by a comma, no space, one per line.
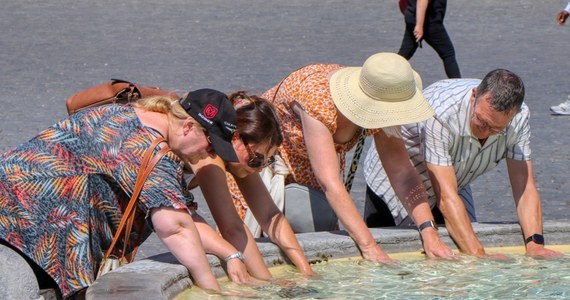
232,256
537,238
427,224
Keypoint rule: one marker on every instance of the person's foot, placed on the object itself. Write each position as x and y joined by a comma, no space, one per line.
561,109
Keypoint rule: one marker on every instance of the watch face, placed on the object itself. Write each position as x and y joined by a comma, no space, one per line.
537,238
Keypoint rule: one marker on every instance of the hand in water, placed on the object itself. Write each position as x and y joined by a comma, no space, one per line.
496,256
376,254
538,251
434,247
237,272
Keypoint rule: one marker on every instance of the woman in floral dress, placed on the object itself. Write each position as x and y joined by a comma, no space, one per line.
63,192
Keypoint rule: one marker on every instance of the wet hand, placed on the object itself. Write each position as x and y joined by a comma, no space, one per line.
538,251
376,254
311,273
239,294
480,253
496,256
284,283
307,270
237,272
434,247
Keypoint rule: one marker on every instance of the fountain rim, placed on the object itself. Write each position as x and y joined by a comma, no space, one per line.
162,277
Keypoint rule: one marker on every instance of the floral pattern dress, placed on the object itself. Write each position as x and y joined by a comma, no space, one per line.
62,192
308,87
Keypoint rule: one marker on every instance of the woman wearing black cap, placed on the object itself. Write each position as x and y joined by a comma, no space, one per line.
62,193
257,137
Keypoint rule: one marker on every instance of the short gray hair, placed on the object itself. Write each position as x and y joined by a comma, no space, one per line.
506,90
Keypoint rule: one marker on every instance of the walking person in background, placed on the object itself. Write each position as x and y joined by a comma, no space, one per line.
424,21
564,107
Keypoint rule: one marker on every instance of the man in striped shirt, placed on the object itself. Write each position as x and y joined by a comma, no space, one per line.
477,123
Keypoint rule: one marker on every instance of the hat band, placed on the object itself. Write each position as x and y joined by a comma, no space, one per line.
391,94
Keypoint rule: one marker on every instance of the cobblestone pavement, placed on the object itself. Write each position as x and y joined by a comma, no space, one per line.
50,49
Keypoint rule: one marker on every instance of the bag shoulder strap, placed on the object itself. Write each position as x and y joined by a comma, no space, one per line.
355,160
128,216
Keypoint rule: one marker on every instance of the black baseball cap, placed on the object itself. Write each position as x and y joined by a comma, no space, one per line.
214,111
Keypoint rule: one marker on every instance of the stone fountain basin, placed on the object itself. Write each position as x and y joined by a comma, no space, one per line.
162,277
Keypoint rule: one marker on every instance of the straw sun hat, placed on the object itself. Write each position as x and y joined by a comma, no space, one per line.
384,92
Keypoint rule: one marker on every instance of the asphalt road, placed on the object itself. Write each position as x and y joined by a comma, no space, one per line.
51,49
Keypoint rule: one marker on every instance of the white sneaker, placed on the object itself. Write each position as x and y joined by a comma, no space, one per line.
561,109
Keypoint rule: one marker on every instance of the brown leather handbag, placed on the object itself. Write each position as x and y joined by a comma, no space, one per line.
116,90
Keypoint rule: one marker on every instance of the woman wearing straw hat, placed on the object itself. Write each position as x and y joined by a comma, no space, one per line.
323,109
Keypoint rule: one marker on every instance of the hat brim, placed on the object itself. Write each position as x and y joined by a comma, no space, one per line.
370,113
223,149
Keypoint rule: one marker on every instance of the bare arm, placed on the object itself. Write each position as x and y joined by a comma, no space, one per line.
421,8
177,231
527,201
409,188
457,221
325,165
272,221
215,244
211,176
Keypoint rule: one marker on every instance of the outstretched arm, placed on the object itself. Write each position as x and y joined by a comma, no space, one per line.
272,220
528,205
457,221
326,167
178,232
409,188
211,176
216,245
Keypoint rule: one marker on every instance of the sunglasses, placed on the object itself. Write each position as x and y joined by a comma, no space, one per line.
257,160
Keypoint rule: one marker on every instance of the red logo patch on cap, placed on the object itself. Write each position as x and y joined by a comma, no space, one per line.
210,111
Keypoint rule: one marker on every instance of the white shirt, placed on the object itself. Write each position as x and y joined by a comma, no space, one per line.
446,140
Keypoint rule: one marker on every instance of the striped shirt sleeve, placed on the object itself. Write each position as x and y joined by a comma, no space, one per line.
436,143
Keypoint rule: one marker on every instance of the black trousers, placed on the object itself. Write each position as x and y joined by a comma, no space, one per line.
436,36
377,213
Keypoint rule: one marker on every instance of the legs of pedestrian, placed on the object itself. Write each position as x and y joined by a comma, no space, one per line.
436,36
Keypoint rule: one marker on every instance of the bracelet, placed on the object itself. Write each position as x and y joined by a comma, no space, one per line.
234,255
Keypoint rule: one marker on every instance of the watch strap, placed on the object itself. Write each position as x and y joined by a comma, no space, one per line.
537,238
427,224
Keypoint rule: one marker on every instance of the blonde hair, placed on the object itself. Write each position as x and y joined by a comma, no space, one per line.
162,104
